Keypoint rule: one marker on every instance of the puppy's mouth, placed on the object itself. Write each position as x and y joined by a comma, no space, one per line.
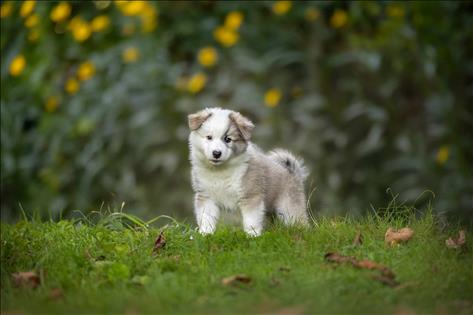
215,162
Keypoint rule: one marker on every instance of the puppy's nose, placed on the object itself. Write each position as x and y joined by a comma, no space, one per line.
217,154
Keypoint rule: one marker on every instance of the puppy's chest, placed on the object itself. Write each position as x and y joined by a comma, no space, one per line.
224,188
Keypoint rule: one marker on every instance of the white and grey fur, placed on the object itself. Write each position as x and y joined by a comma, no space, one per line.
230,172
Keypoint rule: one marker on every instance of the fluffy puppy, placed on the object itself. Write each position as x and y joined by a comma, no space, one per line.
230,172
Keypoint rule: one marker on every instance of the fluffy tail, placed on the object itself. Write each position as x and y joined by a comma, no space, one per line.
292,163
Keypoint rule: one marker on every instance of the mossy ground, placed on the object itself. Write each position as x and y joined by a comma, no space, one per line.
110,268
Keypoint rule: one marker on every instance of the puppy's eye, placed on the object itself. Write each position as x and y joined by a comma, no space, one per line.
227,139
209,137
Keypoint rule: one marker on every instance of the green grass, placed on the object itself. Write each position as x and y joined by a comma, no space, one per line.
108,268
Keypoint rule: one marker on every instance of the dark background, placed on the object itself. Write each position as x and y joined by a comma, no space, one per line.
375,95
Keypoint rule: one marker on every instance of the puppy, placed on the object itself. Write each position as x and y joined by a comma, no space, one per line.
230,172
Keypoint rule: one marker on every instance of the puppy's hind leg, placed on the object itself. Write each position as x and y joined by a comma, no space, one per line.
206,213
253,213
291,209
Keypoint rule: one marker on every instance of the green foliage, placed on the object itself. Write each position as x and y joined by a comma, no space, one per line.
373,95
100,269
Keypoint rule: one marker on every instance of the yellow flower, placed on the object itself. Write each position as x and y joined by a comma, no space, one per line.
148,24
17,65
272,97
282,7
32,20
74,22
27,7
121,3
85,71
339,19
130,8
72,86
197,83
60,12
395,11
149,18
52,104
442,154
80,29
6,9
225,36
207,56
311,14
131,54
99,23
33,35
234,20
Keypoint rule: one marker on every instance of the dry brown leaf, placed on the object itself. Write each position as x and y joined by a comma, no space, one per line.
458,242
232,280
362,264
358,240
393,237
385,272
27,279
55,294
337,258
368,264
159,243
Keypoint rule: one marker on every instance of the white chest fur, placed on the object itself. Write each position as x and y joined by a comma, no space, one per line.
222,186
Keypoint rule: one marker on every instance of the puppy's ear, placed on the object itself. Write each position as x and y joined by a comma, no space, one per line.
196,120
244,125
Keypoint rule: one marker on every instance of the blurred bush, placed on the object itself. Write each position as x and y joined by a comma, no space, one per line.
374,95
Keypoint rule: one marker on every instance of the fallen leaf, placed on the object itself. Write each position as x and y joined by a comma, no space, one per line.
337,258
159,243
385,272
55,294
368,264
27,279
458,242
232,280
393,237
363,264
389,281
358,240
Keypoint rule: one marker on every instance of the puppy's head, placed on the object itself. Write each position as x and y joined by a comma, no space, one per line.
218,135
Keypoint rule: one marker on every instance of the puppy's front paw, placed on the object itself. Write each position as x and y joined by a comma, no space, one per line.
205,232
206,229
253,232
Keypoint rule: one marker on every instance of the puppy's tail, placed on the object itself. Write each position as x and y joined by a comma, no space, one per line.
292,163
